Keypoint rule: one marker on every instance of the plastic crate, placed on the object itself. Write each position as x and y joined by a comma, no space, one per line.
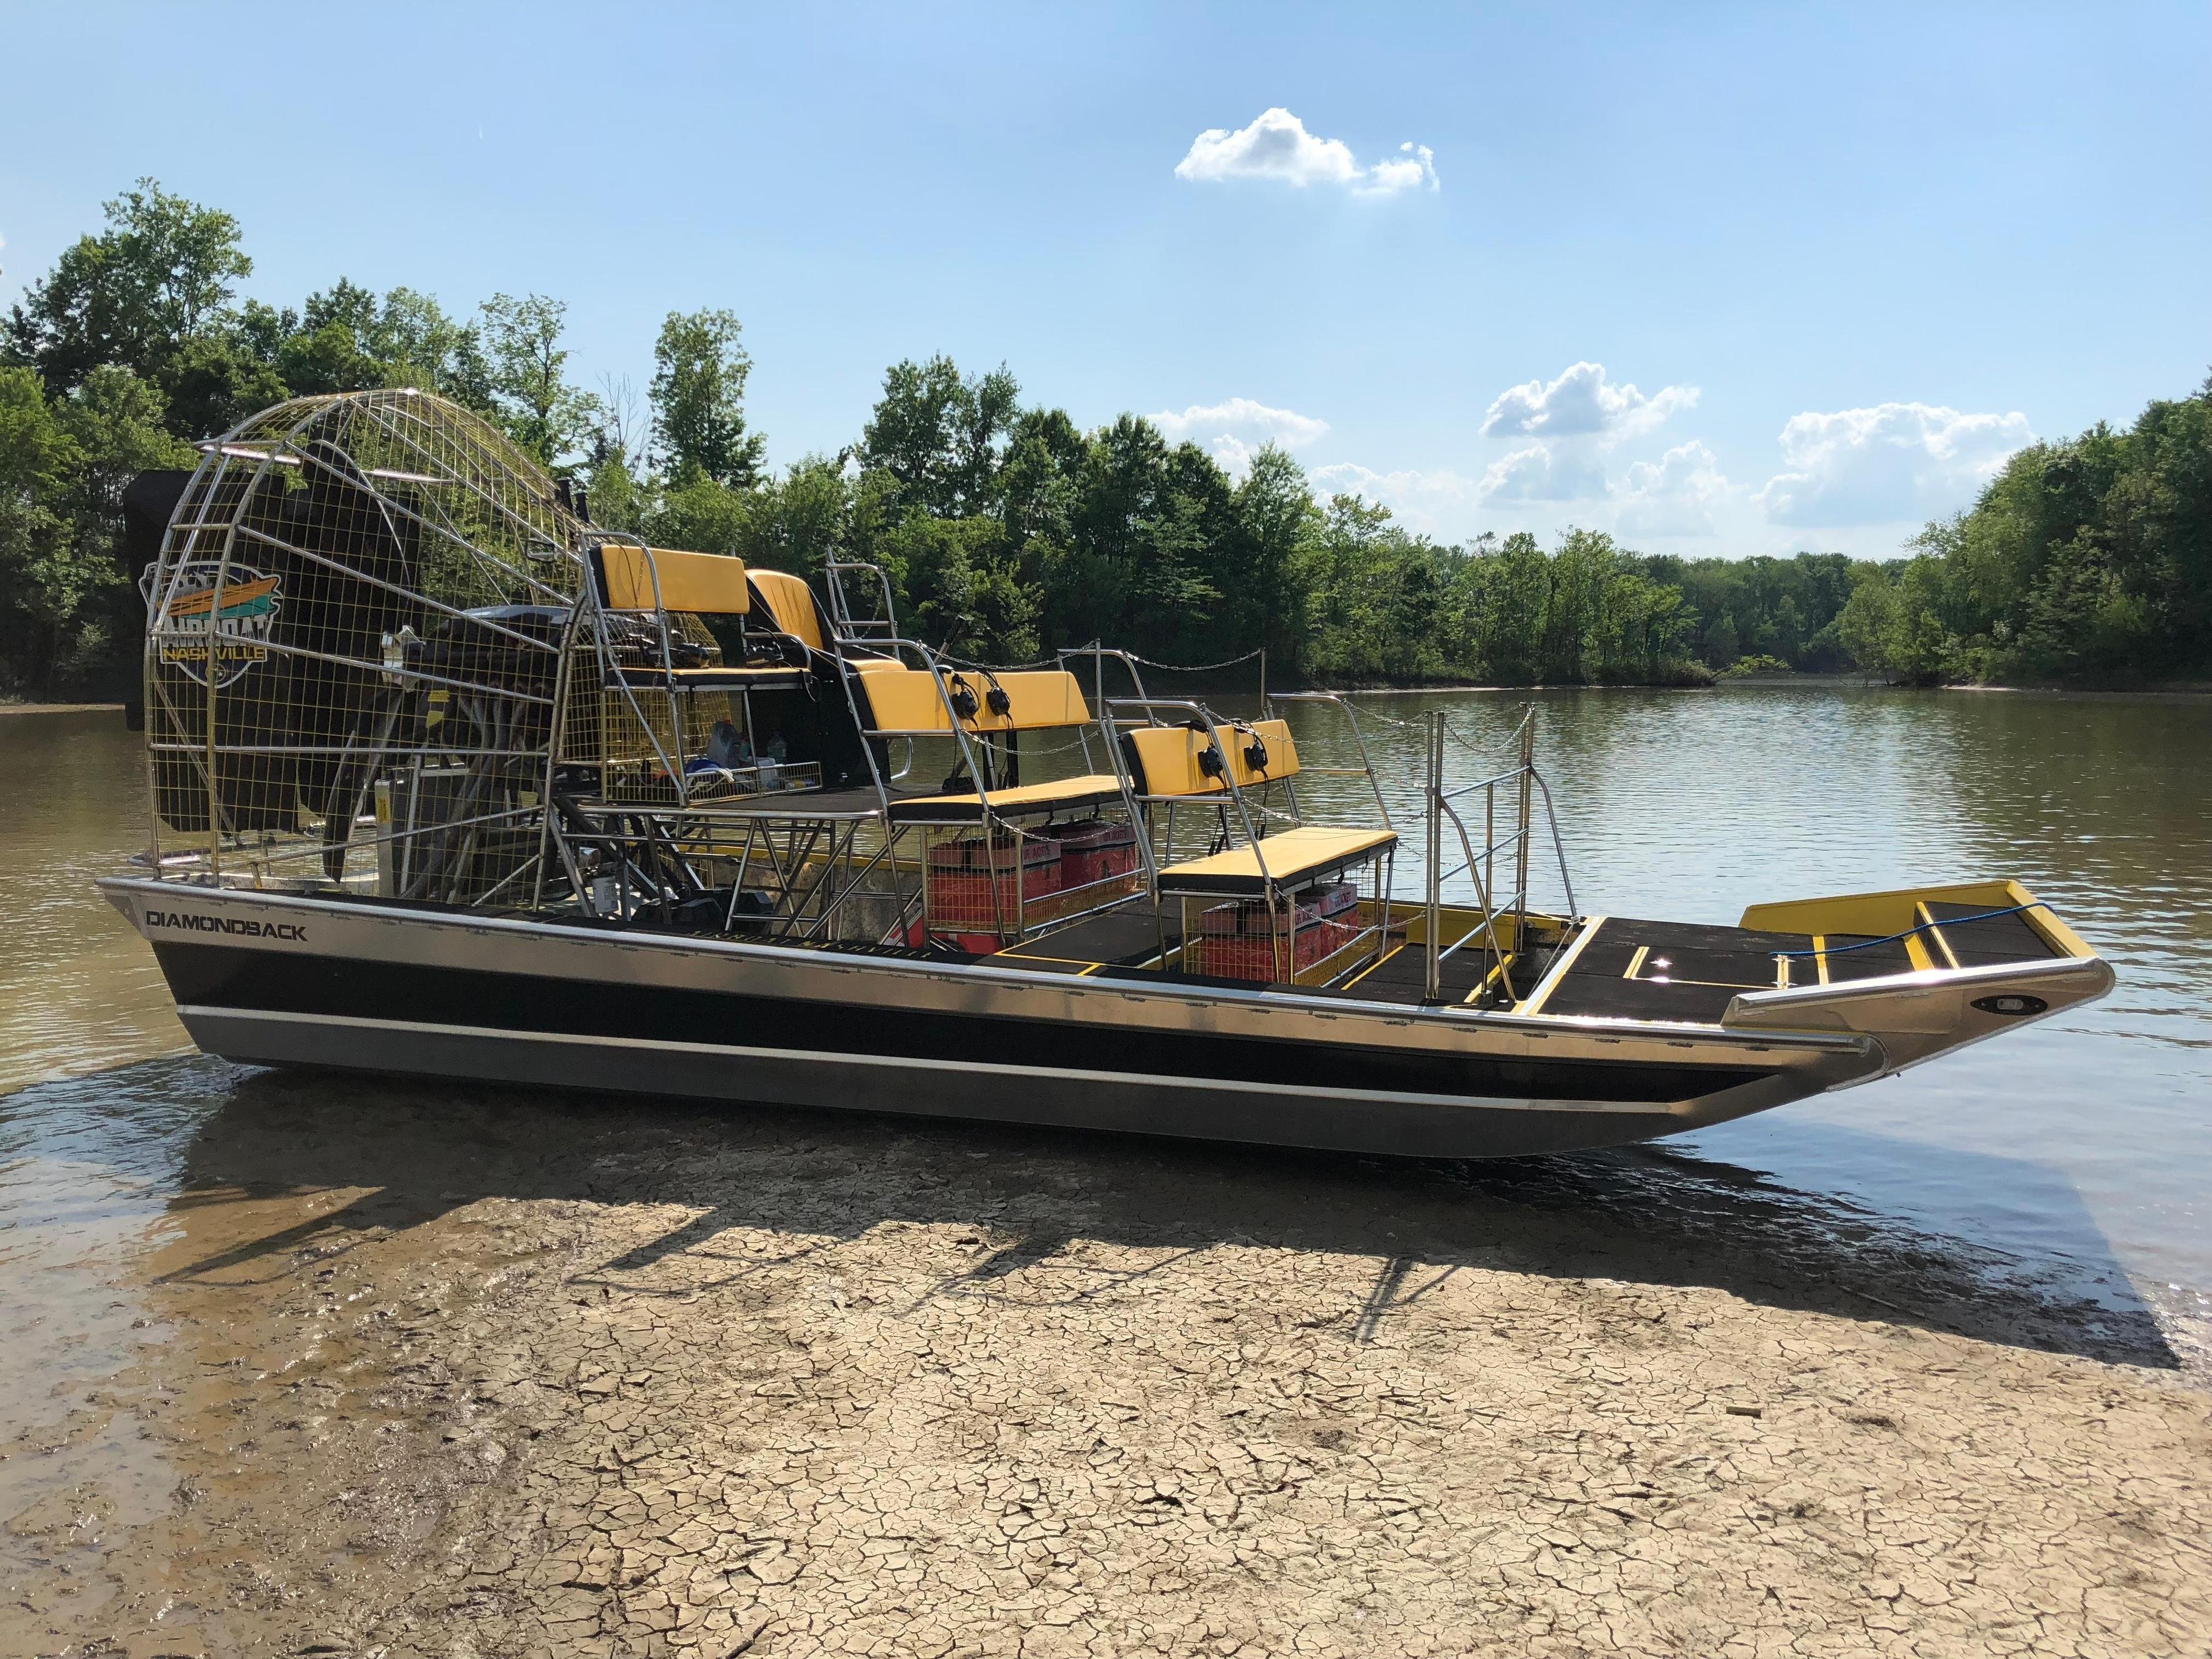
1094,850
1252,917
1241,941
1335,898
964,875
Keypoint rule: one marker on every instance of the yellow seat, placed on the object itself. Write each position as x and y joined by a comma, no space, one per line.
904,701
1163,759
1063,794
791,602
1291,857
663,579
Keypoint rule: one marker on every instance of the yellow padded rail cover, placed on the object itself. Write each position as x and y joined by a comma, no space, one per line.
791,602
906,700
705,583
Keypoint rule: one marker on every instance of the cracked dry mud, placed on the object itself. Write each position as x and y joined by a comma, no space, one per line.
478,1376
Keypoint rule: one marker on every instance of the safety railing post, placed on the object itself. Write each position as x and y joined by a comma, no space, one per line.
1521,846
1434,805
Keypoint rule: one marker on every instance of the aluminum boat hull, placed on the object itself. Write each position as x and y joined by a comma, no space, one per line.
277,979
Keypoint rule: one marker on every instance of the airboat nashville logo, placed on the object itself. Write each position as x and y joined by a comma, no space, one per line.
232,627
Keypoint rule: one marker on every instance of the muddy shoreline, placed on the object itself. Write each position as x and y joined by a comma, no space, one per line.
429,1372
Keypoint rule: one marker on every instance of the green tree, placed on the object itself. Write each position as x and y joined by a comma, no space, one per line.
1514,586
526,377
63,465
698,396
159,276
942,436
1275,515
802,520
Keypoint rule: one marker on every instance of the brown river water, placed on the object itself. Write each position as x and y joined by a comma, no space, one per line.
2069,1166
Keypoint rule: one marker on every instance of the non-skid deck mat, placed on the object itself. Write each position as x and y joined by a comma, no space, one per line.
1855,955
1120,938
1403,976
1680,971
1993,940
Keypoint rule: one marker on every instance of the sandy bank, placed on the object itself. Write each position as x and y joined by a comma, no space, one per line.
491,1378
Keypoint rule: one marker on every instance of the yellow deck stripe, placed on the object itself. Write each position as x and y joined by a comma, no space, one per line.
1559,969
1369,969
1496,975
1936,933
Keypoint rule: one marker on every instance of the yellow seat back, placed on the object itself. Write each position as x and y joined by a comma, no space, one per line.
791,601
1282,753
1165,760
902,701
1166,757
909,701
706,584
1039,699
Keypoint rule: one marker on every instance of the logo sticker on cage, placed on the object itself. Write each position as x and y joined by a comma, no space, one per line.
191,629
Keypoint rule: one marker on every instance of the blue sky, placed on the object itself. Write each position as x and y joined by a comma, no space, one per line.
1723,279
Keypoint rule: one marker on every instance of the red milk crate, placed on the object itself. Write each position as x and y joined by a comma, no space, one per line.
1334,899
962,875
1243,941
1094,850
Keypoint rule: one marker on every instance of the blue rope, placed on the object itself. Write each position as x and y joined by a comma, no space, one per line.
1868,945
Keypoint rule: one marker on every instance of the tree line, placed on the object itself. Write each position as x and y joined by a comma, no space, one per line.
1008,530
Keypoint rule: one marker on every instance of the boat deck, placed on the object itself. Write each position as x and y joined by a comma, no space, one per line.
1613,968
1627,967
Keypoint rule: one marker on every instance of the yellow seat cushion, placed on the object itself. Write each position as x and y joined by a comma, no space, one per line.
1062,795
1291,856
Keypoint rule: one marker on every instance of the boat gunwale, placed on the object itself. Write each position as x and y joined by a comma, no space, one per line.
1457,1018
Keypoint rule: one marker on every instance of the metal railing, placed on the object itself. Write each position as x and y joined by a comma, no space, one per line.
880,627
1526,783
1366,767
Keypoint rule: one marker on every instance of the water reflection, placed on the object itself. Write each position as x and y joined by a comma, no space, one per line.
78,990
88,1169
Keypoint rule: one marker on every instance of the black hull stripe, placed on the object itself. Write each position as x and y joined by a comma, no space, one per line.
239,977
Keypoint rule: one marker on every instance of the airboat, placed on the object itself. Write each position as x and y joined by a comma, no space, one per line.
444,780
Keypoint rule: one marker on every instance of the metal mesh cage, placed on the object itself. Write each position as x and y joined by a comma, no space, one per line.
359,615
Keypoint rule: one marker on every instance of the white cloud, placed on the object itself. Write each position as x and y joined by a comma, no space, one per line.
1674,496
1423,502
1278,146
1583,402
1234,430
1543,473
1414,166
1890,462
